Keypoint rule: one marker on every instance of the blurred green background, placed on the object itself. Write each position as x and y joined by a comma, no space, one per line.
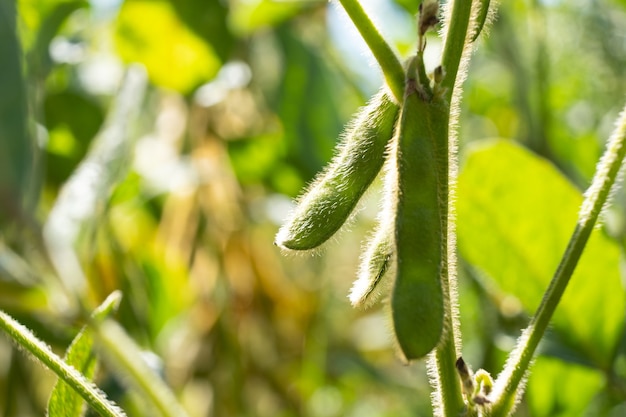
246,100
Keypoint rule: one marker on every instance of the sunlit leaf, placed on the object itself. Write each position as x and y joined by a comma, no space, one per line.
208,19
150,32
516,213
248,16
560,389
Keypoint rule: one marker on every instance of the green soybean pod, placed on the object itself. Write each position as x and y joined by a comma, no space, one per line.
328,202
481,18
375,263
417,300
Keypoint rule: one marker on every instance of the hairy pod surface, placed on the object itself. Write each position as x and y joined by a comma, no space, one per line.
417,301
480,19
328,202
375,263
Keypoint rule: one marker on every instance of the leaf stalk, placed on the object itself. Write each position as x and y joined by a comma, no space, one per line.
507,387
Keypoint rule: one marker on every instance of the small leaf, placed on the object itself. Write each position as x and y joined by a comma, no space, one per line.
516,214
64,401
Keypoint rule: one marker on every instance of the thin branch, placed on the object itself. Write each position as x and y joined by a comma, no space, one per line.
507,387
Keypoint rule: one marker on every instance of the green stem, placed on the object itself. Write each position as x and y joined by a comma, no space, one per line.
454,43
92,395
448,400
508,383
387,59
124,356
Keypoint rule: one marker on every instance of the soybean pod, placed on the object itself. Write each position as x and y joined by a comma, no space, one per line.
417,300
375,263
480,18
328,202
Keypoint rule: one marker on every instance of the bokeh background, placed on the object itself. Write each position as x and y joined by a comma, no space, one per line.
245,103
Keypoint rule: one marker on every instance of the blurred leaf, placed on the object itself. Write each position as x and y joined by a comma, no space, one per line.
64,401
208,19
249,16
39,55
83,198
516,214
14,269
312,127
150,32
560,389
16,158
411,6
72,120
264,151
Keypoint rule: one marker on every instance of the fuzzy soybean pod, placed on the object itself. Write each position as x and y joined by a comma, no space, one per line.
417,300
330,199
375,263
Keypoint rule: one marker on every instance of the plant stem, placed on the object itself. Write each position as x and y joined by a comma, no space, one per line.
448,398
387,59
25,339
124,356
508,383
454,42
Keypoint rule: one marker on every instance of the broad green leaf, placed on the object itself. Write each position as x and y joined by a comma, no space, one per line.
560,389
150,32
64,401
516,213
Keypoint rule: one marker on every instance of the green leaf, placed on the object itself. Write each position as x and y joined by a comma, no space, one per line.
25,339
39,55
310,129
16,158
516,214
559,389
249,16
64,401
82,201
150,32
209,20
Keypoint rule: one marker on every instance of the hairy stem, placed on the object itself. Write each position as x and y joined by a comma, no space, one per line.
387,59
447,398
455,41
508,384
26,340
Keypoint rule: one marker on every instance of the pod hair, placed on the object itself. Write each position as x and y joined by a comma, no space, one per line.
376,261
331,198
417,299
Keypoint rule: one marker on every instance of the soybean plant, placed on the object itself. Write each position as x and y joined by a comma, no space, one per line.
409,127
